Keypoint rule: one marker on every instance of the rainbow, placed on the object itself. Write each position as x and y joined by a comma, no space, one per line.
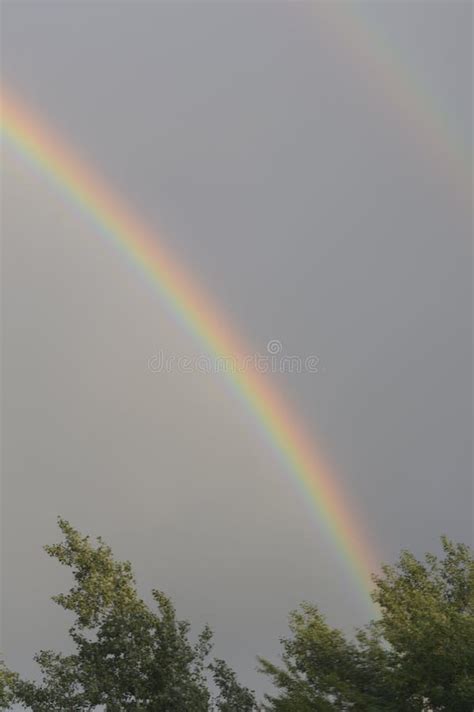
382,67
30,138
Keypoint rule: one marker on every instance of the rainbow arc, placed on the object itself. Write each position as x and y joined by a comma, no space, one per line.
30,137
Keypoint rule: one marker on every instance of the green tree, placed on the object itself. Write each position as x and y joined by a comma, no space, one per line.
128,656
417,657
8,681
131,657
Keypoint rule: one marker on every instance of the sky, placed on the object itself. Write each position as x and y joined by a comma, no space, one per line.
297,158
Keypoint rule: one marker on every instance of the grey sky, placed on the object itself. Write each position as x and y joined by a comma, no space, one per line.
313,212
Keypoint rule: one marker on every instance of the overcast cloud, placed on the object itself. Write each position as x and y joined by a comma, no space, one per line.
316,214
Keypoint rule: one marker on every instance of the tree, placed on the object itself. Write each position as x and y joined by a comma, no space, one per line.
8,681
131,657
417,657
128,656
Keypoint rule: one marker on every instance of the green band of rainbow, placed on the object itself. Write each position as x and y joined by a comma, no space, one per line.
29,136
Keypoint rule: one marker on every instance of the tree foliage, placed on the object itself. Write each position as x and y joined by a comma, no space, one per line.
128,656
8,681
417,657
